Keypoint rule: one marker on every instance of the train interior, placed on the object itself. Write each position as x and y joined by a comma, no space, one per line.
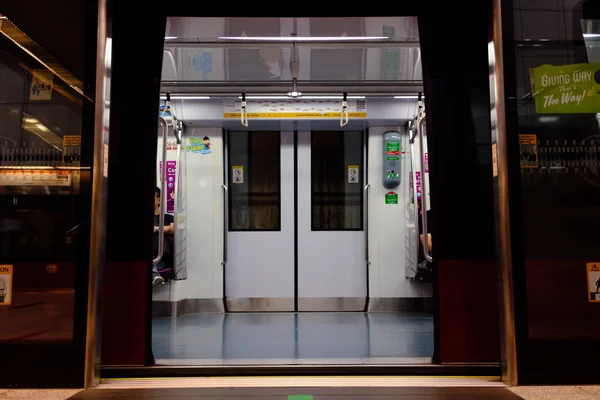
291,162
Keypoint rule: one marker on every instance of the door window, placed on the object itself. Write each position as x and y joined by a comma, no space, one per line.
254,181
336,181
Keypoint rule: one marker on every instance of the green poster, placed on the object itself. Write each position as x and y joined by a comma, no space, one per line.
391,198
392,150
567,89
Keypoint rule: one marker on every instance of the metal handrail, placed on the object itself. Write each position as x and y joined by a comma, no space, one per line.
420,125
163,186
366,222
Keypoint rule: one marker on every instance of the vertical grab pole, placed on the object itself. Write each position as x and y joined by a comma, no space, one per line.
420,124
366,222
163,187
413,135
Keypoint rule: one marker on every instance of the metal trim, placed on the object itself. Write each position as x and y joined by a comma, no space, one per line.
399,304
296,234
219,88
93,339
258,44
260,304
174,309
329,304
504,250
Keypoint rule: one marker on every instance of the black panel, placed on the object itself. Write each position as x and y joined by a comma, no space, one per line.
38,358
554,211
458,125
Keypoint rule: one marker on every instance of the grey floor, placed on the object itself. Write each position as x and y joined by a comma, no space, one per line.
294,338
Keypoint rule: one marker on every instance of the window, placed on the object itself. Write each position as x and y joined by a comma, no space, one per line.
254,181
336,180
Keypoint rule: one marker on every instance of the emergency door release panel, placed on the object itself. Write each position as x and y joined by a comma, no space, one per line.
391,159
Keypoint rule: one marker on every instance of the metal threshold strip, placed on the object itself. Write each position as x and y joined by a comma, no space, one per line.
302,381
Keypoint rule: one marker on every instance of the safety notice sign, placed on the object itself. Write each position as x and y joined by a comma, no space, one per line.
593,275
6,272
238,173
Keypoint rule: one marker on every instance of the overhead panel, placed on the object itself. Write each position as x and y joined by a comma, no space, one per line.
337,64
197,54
247,64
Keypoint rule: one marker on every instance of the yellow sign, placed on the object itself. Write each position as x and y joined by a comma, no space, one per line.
353,173
238,173
72,141
593,278
6,274
494,160
307,115
528,149
42,81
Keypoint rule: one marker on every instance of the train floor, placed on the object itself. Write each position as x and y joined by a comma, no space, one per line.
293,338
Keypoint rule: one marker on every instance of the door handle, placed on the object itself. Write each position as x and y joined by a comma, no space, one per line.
225,222
366,222
163,186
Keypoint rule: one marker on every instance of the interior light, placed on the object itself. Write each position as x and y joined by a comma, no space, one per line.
186,97
29,120
170,37
407,97
304,38
591,35
41,127
301,98
548,119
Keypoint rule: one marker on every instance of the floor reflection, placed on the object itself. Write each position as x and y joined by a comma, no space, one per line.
290,338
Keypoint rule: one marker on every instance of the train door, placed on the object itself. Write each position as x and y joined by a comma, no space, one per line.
295,229
332,271
259,269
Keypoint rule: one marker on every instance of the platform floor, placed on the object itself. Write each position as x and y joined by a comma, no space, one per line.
293,338
158,390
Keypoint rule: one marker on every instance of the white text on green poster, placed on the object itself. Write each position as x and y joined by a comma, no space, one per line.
391,198
567,89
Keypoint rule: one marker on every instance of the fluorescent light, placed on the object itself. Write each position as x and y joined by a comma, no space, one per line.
548,119
591,35
303,38
408,97
186,97
340,97
170,37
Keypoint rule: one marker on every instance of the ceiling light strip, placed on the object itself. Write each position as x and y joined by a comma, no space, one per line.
304,38
25,43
